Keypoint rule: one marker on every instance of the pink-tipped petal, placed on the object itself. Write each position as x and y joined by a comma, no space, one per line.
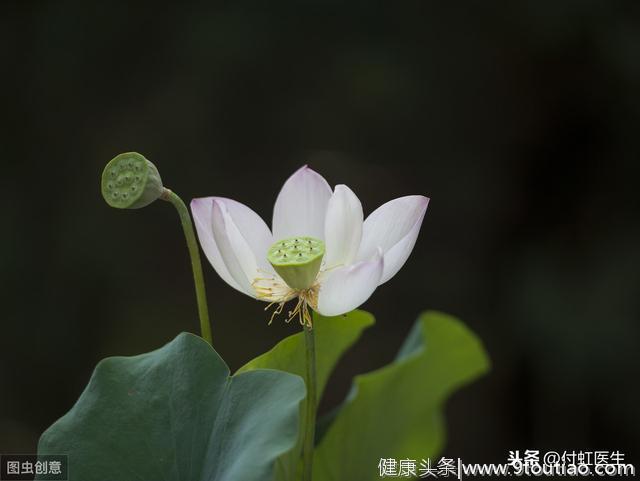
342,228
348,287
394,228
301,206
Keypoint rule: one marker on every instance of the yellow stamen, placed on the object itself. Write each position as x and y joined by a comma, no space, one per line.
307,298
276,312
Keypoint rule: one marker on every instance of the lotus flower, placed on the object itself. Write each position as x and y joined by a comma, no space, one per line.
321,251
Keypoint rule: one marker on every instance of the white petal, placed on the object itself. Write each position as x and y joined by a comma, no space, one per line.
348,287
394,228
342,227
252,228
301,206
201,210
235,250
235,240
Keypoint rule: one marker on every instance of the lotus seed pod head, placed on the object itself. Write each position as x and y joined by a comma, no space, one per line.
130,181
297,260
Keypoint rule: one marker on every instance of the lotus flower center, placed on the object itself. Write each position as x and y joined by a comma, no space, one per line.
297,260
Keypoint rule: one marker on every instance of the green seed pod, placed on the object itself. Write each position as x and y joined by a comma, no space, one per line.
297,260
129,181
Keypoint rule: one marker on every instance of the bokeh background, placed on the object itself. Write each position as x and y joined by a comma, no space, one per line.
518,119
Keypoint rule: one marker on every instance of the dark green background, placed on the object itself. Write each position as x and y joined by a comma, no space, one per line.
518,119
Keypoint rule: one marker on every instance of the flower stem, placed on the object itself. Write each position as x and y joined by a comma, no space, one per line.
196,266
310,428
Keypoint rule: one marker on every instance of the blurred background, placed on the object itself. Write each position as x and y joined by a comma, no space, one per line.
519,119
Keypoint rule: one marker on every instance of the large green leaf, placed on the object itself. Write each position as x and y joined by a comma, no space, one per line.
176,414
396,412
333,335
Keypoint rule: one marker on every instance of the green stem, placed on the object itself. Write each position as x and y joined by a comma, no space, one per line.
196,266
310,428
